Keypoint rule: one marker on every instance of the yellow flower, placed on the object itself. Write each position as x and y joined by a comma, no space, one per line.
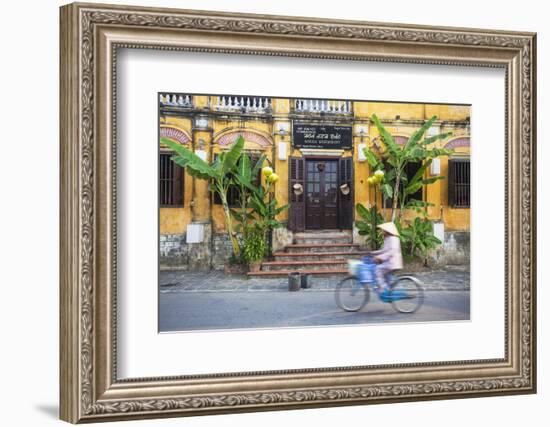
267,171
272,178
371,180
379,174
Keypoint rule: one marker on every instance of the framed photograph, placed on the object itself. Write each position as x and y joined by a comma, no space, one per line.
268,212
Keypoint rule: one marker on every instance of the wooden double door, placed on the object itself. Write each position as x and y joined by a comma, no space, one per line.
321,194
323,203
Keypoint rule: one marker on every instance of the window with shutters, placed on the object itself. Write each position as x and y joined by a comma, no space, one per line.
459,183
233,191
345,216
296,191
171,178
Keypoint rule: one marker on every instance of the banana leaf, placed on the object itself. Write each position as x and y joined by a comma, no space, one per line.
194,165
432,139
243,168
258,165
232,156
386,136
417,136
371,157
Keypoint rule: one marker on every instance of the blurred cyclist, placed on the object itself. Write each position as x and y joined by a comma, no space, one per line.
389,258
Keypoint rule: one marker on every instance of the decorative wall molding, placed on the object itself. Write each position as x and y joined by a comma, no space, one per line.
229,138
458,142
175,134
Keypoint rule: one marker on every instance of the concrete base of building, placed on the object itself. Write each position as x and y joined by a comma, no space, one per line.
200,253
455,250
212,254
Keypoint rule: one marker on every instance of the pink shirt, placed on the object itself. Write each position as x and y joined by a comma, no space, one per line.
390,254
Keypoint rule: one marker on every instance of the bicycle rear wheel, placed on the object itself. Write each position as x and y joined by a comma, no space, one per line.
351,295
407,294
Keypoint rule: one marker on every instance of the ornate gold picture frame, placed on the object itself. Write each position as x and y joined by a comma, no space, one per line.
90,388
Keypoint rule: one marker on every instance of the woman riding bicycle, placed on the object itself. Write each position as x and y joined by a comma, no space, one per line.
405,292
389,258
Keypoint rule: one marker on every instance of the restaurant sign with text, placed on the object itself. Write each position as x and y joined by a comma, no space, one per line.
317,136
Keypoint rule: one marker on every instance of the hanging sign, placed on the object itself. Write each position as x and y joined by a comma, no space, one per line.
321,136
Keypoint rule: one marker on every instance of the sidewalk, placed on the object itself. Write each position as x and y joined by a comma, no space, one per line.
453,278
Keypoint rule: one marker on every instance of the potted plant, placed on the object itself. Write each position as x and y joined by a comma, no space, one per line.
235,265
254,246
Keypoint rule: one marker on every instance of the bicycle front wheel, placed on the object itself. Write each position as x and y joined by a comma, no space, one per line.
351,295
407,294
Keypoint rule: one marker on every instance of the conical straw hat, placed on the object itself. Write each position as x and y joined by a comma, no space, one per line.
389,227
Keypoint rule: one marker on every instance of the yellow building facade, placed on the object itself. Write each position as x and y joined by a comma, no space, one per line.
316,148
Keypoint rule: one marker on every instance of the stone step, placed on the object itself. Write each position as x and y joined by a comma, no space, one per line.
321,240
318,240
283,273
304,265
323,237
321,247
318,256
321,233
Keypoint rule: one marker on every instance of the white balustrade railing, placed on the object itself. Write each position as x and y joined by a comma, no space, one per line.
176,100
249,104
322,106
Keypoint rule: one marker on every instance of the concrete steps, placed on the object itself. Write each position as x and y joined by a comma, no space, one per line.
282,273
321,247
317,253
318,238
304,265
318,256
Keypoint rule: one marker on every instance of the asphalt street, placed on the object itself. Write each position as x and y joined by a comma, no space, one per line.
207,310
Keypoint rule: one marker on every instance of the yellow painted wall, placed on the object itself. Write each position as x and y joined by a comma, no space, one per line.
448,112
175,220
389,110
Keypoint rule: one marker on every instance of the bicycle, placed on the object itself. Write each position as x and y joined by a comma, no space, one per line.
405,293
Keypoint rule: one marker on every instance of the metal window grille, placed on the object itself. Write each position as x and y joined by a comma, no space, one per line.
170,181
459,183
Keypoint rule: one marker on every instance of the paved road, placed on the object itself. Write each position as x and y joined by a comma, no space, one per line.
451,278
201,310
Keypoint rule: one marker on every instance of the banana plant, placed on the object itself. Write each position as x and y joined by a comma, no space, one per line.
396,158
243,178
263,206
266,207
219,174
417,238
368,225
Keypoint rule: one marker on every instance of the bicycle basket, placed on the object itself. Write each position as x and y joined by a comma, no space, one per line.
353,266
366,271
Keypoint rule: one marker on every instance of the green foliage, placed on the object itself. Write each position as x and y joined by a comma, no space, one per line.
219,174
258,204
242,178
194,165
266,208
257,209
394,159
417,237
367,226
254,244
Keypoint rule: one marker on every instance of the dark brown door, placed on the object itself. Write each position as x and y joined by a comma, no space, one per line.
321,194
